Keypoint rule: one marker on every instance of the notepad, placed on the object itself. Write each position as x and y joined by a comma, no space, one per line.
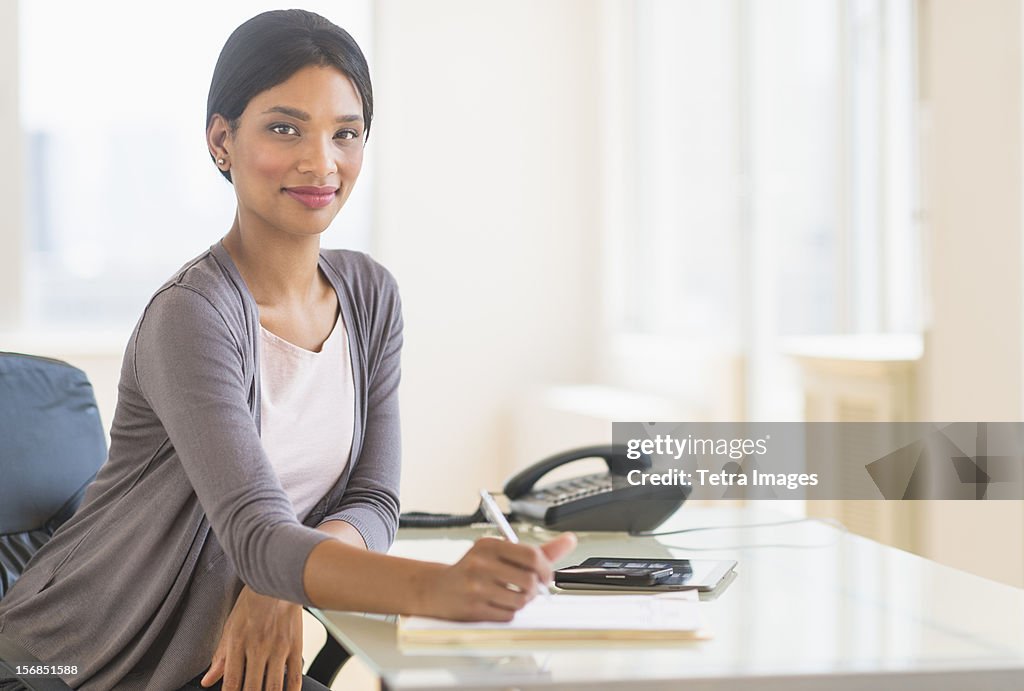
564,617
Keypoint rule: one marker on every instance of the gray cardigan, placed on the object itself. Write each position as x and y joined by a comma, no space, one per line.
135,588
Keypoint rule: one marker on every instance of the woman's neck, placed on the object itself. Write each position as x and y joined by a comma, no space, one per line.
279,269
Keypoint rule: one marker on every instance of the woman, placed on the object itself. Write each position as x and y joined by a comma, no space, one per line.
258,390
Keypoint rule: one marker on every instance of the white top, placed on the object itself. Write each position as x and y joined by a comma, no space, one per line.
307,404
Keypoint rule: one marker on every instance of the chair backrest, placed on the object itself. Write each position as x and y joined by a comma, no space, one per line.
51,445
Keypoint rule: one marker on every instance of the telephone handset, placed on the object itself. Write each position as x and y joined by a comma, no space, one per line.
599,501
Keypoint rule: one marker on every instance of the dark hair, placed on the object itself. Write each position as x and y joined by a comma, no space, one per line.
269,48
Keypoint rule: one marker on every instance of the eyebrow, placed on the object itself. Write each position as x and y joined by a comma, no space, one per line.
304,116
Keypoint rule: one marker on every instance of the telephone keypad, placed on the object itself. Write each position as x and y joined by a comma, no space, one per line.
571,490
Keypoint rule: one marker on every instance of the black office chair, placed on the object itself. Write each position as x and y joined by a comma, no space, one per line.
51,445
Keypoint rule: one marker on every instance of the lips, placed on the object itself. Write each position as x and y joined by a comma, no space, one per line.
312,197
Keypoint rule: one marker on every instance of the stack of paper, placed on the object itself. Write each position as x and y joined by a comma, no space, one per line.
572,617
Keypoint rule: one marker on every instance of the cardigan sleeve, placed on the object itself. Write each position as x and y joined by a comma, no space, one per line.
189,368
370,501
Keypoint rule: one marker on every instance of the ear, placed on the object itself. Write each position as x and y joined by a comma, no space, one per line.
218,140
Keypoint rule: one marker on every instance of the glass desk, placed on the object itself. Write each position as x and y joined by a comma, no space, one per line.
839,612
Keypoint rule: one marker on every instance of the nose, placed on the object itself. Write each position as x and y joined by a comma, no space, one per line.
318,157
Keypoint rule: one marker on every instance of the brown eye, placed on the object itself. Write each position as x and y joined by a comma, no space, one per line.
347,134
283,128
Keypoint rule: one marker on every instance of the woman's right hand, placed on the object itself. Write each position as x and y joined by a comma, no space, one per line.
494,579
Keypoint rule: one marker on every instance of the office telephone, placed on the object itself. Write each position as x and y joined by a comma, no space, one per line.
596,501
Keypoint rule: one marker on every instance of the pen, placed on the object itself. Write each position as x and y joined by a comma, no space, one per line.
495,516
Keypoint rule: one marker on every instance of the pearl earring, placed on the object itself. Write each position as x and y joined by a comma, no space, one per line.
220,161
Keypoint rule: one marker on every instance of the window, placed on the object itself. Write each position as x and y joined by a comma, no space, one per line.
772,188
119,190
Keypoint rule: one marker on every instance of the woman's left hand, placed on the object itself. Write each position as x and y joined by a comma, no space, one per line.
262,636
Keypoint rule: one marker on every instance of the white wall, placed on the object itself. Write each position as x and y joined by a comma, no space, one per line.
972,79
488,156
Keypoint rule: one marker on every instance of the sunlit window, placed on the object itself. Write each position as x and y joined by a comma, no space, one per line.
773,187
120,190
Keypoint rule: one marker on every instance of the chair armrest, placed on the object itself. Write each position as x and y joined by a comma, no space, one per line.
331,658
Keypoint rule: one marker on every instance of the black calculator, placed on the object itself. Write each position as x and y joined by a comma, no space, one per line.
703,575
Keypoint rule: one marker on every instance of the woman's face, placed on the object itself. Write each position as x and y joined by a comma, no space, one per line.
296,152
